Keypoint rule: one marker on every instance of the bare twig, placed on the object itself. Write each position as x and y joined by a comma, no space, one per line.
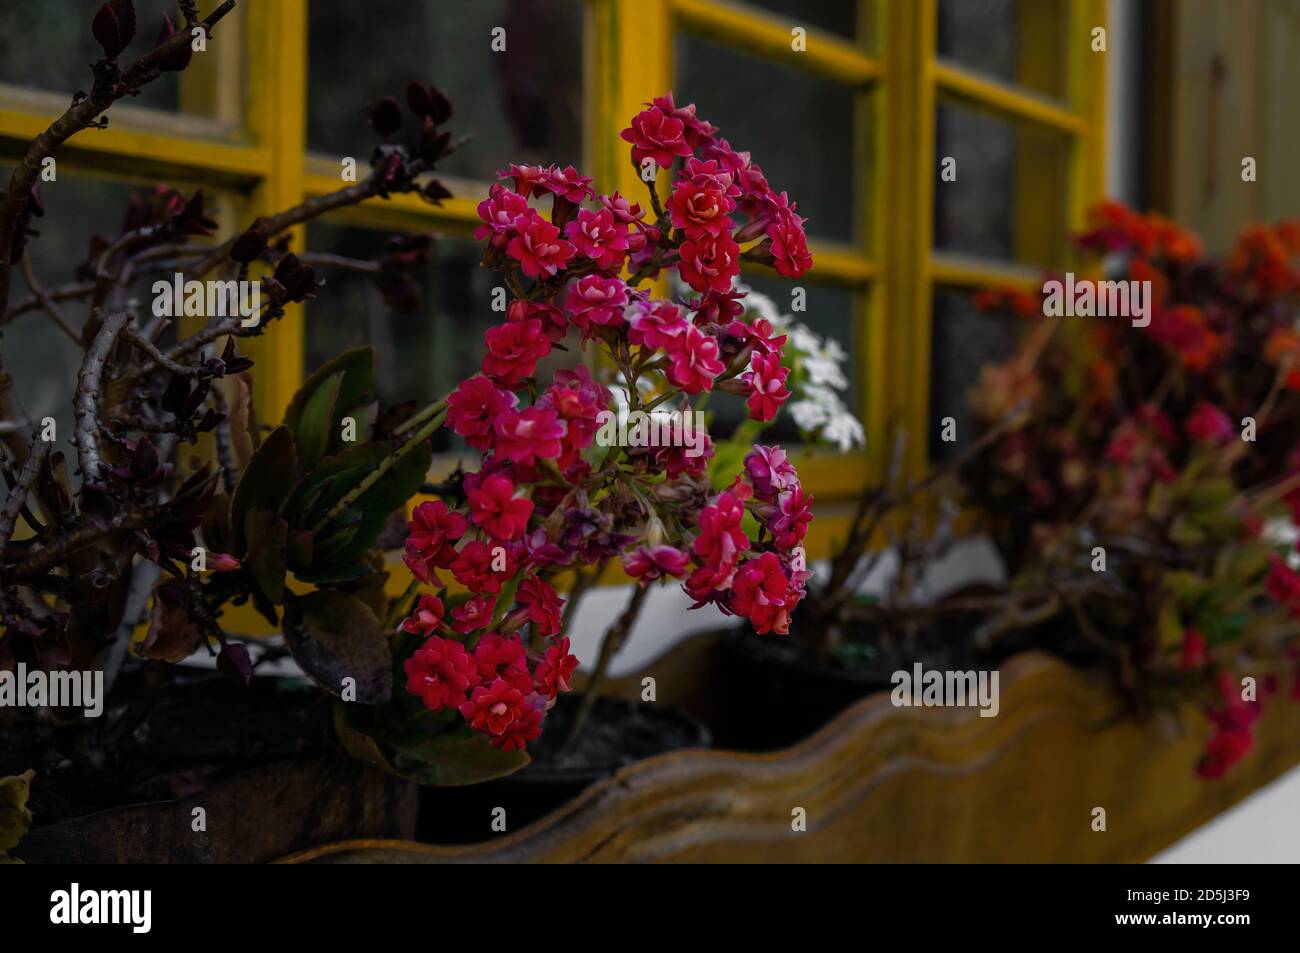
615,636
86,401
17,498
48,303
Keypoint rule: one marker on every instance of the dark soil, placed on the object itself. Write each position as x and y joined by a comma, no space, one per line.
618,733
201,729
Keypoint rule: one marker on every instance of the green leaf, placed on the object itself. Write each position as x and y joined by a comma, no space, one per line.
455,759
267,555
15,818
334,636
264,483
316,423
357,366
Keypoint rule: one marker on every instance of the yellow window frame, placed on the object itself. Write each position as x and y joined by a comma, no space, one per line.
891,265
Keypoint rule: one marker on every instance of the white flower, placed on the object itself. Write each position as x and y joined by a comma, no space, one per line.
823,371
807,414
844,431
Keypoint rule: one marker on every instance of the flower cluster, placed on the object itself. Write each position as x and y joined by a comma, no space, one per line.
550,494
1171,448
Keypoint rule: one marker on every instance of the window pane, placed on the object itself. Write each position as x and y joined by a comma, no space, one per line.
49,46
808,153
521,105
419,355
1016,41
834,16
963,340
1008,197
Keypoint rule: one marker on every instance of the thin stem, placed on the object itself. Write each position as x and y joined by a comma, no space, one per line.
615,636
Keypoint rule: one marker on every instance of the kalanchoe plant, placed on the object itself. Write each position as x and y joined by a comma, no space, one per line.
1139,493
154,533
558,488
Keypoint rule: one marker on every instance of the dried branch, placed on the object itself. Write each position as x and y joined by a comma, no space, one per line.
48,303
17,498
85,403
615,637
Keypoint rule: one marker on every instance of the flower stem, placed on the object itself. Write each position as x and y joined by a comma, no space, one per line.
615,636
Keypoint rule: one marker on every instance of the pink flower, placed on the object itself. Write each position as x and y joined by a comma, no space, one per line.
513,350
766,379
700,209
476,566
578,400
537,246
622,210
500,211
566,183
794,514
545,607
789,243
600,237
499,656
553,320
693,360
473,614
555,668
1193,654
529,435
696,130
426,618
721,541
770,472
519,732
596,299
527,177
758,336
432,531
494,507
493,708
708,263
473,406
655,134
655,324
440,673
1208,424
762,592
654,562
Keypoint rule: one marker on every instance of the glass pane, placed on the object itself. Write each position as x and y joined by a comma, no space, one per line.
42,360
834,16
420,355
963,340
1016,41
49,46
1005,196
830,315
807,153
520,105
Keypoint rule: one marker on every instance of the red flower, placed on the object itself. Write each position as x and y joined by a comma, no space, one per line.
697,131
794,514
527,177
766,379
700,209
499,656
1283,585
494,507
694,360
789,243
763,593
554,669
1226,748
718,547
758,336
440,673
474,566
513,350
545,607
566,183
529,435
537,246
622,209
493,708
578,400
600,237
520,731
432,531
655,324
473,406
426,618
654,562
1193,655
656,135
473,614
500,212
1208,424
770,472
709,263
554,323
596,299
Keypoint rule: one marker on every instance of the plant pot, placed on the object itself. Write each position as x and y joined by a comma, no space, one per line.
255,769
886,784
619,732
